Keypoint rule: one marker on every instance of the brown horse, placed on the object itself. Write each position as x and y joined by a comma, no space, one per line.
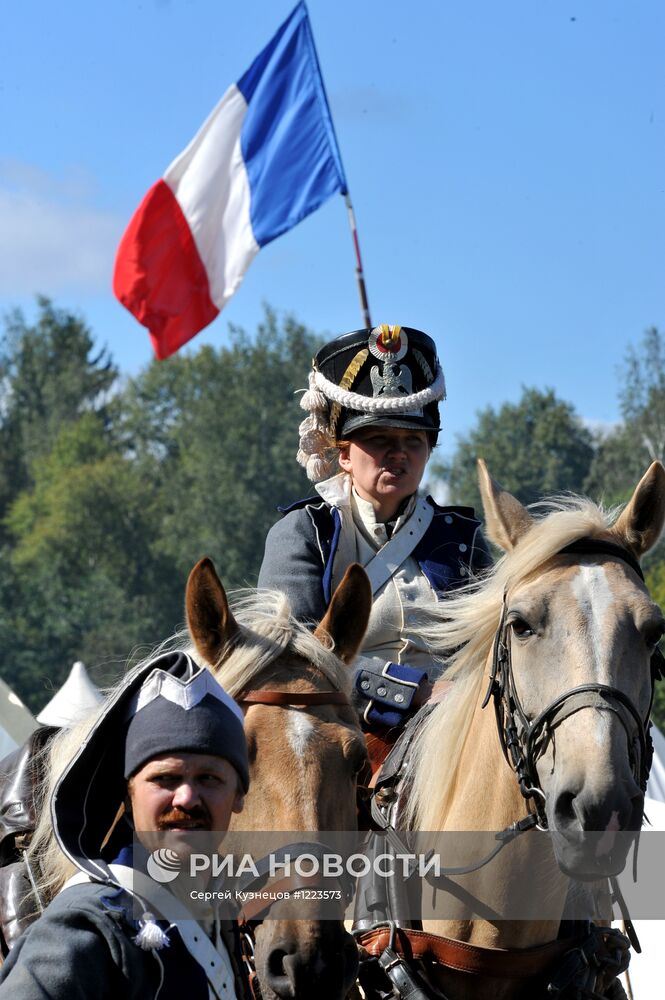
305,748
563,631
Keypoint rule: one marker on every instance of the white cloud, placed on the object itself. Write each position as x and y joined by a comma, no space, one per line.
53,239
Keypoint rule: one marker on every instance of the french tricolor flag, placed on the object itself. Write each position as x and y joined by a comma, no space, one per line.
266,157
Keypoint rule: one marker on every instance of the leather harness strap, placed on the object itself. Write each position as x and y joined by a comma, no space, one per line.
463,957
392,554
295,698
256,908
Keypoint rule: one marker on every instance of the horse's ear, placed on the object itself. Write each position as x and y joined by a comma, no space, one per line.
506,519
209,619
641,521
347,616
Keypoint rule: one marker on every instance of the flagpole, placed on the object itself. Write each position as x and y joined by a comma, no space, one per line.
360,275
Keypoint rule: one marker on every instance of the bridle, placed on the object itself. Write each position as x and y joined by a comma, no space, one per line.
296,699
581,962
293,699
253,913
524,740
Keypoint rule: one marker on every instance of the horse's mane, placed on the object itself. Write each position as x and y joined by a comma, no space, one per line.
267,631
464,634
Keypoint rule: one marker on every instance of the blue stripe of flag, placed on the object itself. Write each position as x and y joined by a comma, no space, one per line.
287,139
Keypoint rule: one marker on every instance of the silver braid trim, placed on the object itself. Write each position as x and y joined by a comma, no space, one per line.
382,404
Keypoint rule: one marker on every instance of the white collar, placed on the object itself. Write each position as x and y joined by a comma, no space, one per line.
364,511
337,490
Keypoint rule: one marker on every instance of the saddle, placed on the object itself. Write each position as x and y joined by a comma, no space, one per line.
20,780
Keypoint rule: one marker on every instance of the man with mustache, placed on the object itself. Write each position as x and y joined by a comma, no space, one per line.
169,745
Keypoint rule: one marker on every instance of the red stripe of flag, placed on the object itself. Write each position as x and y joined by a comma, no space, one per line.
159,275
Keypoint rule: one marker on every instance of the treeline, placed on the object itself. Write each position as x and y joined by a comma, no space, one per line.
112,487
540,446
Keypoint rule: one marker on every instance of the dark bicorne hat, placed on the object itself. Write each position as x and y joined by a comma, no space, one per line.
167,705
388,376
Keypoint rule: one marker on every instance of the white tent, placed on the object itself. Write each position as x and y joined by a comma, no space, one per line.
16,721
73,701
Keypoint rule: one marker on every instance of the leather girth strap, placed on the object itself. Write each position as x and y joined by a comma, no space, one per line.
522,963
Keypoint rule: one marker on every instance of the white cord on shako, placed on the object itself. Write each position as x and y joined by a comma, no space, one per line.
316,450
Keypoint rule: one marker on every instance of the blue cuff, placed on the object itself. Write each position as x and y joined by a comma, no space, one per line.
390,693
402,672
384,716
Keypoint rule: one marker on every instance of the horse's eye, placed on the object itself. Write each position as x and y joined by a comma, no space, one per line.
520,628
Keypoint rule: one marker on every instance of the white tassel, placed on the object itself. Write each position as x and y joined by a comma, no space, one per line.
151,937
314,401
310,423
313,442
318,468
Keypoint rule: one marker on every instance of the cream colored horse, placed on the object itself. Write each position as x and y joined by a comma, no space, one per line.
571,619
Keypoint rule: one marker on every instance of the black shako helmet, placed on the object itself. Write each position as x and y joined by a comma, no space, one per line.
388,376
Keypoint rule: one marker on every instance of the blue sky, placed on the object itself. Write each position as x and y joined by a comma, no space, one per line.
506,162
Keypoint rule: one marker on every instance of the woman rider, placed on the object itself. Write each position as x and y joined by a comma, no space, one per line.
373,405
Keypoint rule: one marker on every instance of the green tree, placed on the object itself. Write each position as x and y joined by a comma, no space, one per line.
118,493
642,393
535,447
50,373
623,455
86,582
218,431
618,464
51,376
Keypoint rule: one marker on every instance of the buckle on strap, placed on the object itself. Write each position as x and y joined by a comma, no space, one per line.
603,955
402,979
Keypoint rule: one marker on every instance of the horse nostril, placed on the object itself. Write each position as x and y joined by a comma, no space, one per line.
322,967
564,811
276,962
280,974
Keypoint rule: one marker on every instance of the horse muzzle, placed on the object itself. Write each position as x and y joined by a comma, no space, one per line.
592,832
299,961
